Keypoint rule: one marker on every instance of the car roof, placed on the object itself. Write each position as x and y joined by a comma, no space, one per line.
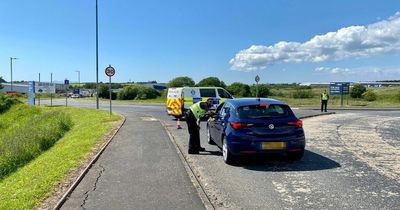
253,101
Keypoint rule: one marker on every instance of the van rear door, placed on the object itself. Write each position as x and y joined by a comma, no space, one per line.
174,101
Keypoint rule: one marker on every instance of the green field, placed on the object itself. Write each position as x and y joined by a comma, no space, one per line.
32,182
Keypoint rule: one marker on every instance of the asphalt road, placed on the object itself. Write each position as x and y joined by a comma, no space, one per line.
352,162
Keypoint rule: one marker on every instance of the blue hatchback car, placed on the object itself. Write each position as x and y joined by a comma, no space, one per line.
256,126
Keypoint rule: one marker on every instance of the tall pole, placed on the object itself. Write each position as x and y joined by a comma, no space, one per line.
11,68
51,94
110,96
79,78
39,86
97,56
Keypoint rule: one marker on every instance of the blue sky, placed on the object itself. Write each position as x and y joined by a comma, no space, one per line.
232,40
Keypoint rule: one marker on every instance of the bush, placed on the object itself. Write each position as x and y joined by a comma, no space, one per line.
7,101
137,92
303,93
369,95
239,89
181,82
263,90
357,91
211,82
104,92
28,140
277,93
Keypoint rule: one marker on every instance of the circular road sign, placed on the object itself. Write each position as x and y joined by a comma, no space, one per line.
257,78
110,71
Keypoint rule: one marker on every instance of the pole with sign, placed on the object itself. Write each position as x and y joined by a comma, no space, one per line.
257,80
110,71
39,90
339,88
66,83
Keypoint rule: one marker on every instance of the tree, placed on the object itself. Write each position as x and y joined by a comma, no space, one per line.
211,82
137,92
104,92
1,81
239,89
89,85
181,82
357,91
263,90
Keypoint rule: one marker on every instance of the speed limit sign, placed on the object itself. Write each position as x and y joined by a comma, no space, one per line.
110,71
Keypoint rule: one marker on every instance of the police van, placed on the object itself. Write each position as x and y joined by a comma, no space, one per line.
180,99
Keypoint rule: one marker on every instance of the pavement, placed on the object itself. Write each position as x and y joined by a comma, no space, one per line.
140,169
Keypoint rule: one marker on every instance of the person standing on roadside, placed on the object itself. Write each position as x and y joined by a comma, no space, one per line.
324,101
193,116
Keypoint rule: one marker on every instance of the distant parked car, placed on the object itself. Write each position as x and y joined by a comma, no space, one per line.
256,126
75,96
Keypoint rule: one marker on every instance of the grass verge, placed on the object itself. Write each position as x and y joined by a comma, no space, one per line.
31,184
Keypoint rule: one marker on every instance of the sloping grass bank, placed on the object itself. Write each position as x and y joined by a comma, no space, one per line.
30,184
25,140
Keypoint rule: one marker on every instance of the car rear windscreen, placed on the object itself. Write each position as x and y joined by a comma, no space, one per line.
265,111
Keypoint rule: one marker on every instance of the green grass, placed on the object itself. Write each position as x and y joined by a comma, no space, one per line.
35,132
31,184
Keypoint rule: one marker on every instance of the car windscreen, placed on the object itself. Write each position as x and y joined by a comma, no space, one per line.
264,111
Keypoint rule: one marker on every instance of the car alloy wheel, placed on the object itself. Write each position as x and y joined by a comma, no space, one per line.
227,155
209,139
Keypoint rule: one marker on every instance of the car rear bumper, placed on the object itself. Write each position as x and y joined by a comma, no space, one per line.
255,146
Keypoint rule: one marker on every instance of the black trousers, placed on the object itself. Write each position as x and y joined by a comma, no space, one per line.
194,134
324,104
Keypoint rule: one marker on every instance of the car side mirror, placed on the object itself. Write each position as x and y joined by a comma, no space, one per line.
226,110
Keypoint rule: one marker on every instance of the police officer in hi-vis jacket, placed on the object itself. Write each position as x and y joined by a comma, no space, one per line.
193,116
324,101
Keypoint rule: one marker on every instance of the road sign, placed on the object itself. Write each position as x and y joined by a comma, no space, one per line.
110,71
257,78
339,88
45,87
66,82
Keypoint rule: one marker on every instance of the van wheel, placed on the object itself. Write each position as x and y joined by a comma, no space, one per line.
209,139
229,158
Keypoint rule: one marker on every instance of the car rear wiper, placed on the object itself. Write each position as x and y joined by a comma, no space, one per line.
261,117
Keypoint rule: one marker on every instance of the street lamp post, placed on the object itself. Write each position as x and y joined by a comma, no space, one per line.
79,78
11,61
97,56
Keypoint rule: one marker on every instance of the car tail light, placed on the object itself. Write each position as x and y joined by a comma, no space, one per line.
239,125
299,123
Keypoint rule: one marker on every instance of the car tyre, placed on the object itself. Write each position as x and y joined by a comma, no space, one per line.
209,139
229,158
296,155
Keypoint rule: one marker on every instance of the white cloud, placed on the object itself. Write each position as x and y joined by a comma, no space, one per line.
334,70
353,41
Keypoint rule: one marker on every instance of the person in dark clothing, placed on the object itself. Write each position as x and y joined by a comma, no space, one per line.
193,116
324,101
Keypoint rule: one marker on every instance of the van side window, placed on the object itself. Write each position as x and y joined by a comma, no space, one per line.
223,94
208,93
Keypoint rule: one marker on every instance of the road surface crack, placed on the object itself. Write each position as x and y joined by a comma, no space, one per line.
86,194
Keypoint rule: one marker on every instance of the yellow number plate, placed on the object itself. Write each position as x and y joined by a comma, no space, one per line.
273,145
